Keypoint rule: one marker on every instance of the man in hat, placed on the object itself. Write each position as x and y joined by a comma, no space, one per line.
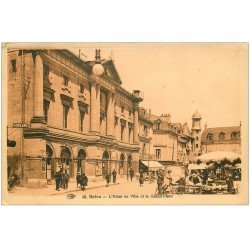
160,180
78,179
66,180
131,173
83,181
114,176
108,177
58,179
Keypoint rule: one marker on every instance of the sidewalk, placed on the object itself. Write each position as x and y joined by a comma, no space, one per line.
51,189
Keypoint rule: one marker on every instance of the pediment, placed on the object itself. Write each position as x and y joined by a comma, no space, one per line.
110,71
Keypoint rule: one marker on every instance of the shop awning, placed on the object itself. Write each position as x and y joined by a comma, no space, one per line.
153,165
197,167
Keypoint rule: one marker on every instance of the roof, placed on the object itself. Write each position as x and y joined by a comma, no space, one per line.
217,130
110,69
153,165
196,115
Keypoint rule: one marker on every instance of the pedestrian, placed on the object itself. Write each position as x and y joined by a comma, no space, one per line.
131,173
83,181
78,179
182,185
66,180
160,181
108,177
205,177
58,179
11,182
114,176
230,184
141,179
62,178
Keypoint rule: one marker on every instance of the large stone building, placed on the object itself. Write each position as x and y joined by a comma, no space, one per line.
221,139
75,120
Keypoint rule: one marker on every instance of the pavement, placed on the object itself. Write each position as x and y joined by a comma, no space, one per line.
122,186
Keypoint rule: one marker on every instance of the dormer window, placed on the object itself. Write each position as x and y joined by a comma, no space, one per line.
234,135
222,136
210,137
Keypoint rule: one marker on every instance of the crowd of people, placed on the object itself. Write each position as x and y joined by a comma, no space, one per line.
62,180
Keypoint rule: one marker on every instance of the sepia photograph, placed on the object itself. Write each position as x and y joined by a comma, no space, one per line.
125,123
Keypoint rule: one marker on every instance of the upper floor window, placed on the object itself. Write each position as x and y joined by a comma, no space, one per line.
129,134
222,136
45,110
46,70
13,65
158,153
81,88
65,116
196,145
122,132
82,114
65,81
197,138
210,137
122,109
158,126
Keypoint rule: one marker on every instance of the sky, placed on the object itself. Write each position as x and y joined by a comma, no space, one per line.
180,78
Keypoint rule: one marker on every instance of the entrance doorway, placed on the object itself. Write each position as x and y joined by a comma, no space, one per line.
105,163
81,161
66,160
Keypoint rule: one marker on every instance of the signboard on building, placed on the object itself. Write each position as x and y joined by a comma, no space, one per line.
20,125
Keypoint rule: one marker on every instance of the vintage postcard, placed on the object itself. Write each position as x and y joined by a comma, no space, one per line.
125,123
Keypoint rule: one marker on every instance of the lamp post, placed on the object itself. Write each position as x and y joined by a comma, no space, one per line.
98,68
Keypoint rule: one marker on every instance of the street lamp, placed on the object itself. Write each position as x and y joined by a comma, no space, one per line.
98,68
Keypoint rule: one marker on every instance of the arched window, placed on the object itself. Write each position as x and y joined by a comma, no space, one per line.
234,135
210,137
80,161
221,136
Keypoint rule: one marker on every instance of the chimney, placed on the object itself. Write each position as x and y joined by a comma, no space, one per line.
166,118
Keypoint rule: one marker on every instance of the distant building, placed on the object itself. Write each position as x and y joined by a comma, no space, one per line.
196,133
221,139
172,142
145,135
185,143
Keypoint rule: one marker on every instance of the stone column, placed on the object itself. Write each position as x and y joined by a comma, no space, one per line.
110,114
136,123
95,107
38,89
